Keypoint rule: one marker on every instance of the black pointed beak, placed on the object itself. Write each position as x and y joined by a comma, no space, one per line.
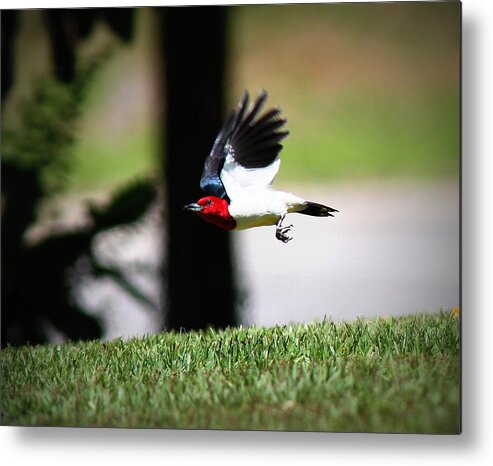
194,207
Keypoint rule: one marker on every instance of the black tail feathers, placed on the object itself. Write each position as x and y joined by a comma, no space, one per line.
317,210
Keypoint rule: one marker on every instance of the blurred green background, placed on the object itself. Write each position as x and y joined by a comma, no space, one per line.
369,90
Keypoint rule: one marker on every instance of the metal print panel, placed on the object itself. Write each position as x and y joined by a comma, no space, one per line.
232,217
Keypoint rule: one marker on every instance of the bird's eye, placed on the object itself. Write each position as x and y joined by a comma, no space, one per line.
209,202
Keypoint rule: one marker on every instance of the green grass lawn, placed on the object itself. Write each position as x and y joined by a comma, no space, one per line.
383,375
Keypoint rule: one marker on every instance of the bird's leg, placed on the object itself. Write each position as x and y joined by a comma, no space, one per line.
281,232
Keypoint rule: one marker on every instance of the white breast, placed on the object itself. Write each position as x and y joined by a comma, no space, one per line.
262,206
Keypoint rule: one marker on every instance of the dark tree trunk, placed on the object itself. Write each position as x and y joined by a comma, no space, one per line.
9,27
199,275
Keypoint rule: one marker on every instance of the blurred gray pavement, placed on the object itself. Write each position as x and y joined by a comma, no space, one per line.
393,249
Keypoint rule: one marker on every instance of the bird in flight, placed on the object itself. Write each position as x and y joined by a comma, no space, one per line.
240,169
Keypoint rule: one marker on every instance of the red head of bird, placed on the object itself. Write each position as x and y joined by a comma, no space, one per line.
213,210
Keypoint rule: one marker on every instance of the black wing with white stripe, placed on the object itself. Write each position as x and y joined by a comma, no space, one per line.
253,143
210,181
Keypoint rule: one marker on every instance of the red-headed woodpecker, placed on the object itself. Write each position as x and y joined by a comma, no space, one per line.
240,169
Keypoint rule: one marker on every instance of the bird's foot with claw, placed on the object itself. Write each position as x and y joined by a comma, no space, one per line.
281,233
